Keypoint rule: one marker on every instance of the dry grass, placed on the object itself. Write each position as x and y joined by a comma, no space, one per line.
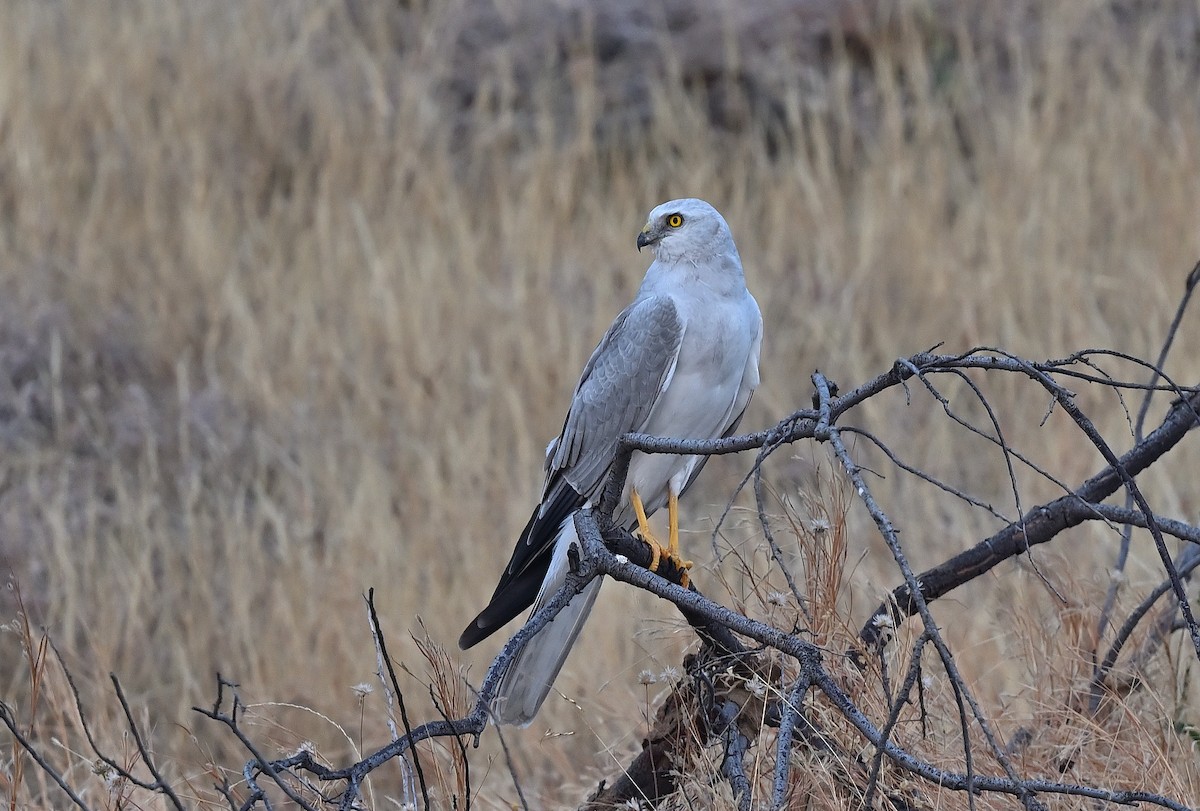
278,325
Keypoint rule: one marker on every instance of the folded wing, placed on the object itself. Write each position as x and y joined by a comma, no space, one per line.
622,381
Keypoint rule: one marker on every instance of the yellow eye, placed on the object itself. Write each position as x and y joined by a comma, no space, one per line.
675,220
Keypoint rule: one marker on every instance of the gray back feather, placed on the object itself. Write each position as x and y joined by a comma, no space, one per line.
617,391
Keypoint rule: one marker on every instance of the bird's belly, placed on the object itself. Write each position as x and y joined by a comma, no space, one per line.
698,402
694,406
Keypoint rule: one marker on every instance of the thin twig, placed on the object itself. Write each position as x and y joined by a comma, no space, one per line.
512,769
772,544
783,748
159,783
901,698
462,750
1067,401
1041,524
1139,426
10,721
377,634
259,762
828,432
1187,565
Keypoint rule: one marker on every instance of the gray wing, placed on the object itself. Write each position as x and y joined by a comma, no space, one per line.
618,389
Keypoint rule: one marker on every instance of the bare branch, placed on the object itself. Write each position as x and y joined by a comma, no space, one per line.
275,770
783,752
1187,564
6,715
737,744
809,658
1041,524
159,783
719,703
1139,428
377,635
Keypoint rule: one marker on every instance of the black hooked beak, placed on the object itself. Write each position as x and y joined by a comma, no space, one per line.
645,238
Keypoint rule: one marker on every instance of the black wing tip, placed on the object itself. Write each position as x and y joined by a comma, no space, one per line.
474,633
522,578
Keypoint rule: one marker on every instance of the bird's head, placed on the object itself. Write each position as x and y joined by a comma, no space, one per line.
685,229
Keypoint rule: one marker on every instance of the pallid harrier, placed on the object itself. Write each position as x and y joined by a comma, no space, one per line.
681,361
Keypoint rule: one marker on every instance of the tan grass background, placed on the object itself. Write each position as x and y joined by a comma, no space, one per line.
282,319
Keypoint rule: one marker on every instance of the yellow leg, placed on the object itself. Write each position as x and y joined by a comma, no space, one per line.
656,548
673,525
673,538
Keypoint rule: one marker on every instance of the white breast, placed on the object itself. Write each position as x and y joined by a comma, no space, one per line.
707,386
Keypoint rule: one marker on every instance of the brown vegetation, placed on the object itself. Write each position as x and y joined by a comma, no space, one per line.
286,314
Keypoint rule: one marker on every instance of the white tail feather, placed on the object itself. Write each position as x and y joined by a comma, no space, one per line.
530,675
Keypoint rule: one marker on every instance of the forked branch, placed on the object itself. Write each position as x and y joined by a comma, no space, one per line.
749,676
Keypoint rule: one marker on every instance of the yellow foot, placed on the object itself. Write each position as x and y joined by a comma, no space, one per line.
659,553
682,566
657,550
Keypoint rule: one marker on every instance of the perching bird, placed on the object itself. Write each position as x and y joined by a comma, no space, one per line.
681,361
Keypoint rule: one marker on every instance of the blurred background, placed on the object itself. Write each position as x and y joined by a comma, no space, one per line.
293,295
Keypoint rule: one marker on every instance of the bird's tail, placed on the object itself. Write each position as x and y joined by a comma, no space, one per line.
529,676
